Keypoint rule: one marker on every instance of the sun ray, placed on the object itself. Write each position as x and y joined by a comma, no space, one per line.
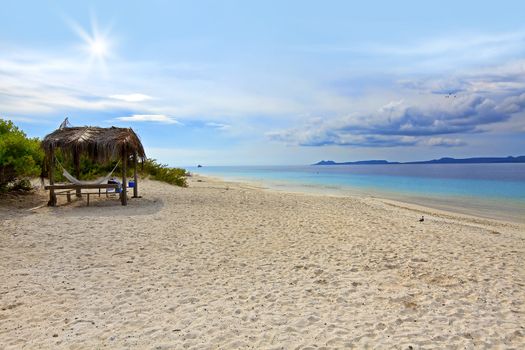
95,43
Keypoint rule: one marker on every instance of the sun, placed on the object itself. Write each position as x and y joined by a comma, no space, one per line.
95,43
98,47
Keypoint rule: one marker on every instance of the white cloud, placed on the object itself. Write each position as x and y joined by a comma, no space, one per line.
495,44
15,118
485,44
131,97
219,126
157,118
443,142
392,105
38,82
433,54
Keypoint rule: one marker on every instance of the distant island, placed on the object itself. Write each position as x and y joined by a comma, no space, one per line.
446,160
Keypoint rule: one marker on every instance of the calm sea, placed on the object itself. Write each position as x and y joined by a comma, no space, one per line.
492,190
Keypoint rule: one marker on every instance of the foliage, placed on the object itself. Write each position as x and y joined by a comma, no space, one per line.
20,157
90,169
23,185
162,172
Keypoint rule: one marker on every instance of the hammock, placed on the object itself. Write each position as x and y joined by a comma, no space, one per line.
76,181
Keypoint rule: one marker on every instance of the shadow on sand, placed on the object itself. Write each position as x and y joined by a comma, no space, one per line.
109,208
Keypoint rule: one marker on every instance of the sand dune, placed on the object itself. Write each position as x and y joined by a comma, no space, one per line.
227,265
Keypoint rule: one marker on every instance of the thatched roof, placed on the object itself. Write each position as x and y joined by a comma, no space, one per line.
101,144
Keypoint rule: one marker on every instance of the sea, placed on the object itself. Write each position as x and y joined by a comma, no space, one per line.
494,191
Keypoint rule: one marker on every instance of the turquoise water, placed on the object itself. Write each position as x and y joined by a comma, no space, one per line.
494,187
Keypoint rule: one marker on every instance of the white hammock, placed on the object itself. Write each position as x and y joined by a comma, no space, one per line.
76,181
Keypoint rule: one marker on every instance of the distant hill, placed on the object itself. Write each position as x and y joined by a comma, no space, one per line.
446,160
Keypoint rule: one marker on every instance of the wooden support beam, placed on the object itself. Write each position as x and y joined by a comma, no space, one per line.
74,187
124,192
51,168
135,176
76,162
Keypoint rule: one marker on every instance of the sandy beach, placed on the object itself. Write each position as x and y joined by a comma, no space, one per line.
223,265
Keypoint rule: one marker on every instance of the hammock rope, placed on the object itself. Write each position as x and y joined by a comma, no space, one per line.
76,181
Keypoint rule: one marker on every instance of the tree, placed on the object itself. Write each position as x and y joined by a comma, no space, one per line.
20,157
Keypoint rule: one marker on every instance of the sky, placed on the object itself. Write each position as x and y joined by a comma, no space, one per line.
272,82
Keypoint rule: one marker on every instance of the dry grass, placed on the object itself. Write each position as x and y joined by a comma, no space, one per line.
100,144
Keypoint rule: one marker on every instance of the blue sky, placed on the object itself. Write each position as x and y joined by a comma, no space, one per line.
272,82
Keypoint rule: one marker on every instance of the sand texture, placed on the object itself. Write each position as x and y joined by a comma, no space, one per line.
230,266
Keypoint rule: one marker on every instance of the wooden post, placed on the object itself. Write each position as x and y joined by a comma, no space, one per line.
51,168
124,192
76,161
135,176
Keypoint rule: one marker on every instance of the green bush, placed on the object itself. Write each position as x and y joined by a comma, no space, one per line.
91,170
20,157
162,172
21,185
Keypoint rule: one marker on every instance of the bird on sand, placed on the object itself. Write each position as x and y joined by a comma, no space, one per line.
422,219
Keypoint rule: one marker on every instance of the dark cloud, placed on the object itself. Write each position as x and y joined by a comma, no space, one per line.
365,141
505,79
463,116
514,104
438,87
401,125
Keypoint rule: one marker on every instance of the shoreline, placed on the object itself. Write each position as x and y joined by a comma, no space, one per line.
459,206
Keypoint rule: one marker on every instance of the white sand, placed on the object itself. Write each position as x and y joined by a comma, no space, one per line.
222,265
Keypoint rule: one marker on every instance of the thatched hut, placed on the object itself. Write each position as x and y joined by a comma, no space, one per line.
99,144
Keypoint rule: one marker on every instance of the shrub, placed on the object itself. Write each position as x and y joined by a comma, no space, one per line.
20,157
91,170
162,172
21,185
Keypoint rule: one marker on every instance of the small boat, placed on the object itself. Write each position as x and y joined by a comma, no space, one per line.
199,166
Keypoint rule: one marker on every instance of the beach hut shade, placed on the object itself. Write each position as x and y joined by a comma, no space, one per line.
98,144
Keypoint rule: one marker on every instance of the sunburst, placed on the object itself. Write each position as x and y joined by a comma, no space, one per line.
96,44
98,47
